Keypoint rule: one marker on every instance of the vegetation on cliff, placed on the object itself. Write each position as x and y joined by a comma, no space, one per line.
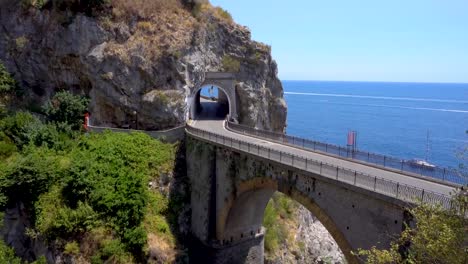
86,195
439,236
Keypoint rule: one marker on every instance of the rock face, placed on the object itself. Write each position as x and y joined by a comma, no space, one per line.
138,68
14,229
319,245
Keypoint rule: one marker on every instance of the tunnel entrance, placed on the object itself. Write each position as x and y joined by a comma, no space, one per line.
210,102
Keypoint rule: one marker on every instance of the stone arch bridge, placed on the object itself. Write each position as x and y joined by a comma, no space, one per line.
234,171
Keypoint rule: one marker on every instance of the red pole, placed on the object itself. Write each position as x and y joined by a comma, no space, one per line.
86,121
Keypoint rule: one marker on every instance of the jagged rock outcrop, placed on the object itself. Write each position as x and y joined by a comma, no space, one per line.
137,66
310,242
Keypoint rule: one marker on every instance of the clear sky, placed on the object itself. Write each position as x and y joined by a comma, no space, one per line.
361,40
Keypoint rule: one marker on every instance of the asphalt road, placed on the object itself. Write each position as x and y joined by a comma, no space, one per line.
209,122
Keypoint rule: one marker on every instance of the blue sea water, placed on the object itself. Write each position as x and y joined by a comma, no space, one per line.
390,118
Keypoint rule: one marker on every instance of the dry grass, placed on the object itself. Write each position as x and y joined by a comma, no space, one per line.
144,9
163,28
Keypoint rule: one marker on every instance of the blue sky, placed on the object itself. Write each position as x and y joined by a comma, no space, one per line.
361,40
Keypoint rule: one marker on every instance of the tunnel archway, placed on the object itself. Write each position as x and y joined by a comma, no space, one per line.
210,102
243,215
224,82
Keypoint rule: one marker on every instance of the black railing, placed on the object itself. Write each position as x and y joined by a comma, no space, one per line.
444,174
373,183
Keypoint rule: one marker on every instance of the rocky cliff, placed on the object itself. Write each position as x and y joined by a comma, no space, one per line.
138,57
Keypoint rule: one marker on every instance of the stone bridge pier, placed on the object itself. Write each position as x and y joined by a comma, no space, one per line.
230,190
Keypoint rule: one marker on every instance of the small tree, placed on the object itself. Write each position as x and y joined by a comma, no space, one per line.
8,85
439,237
230,64
67,108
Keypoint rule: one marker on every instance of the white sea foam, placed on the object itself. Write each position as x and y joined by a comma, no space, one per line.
381,97
421,108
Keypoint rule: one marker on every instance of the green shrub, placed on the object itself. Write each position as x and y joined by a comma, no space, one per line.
7,255
66,108
41,260
223,14
112,251
110,171
135,239
279,207
20,128
55,219
438,237
230,64
72,248
21,42
7,148
8,85
27,176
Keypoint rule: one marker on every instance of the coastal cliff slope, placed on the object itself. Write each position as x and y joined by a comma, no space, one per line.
144,56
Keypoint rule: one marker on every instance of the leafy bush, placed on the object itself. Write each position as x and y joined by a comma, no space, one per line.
230,64
7,148
439,237
20,128
8,86
135,239
72,248
7,255
280,206
75,185
223,14
112,251
67,108
110,172
55,219
27,176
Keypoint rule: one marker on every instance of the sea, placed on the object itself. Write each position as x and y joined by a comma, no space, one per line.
403,120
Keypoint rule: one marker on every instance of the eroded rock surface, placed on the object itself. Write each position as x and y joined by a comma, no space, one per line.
138,68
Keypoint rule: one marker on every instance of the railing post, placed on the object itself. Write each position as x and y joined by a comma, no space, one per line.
321,168
337,173
280,155
303,140
443,175
397,188
248,146
268,153
355,176
401,165
292,160
368,154
384,159
306,163
375,183
314,145
258,150
422,196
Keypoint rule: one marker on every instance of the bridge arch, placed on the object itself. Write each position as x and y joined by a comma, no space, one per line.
231,186
225,82
242,215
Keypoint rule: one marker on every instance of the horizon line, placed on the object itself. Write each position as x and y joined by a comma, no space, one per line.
427,82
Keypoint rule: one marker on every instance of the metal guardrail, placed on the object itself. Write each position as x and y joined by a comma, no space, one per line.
379,185
444,174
